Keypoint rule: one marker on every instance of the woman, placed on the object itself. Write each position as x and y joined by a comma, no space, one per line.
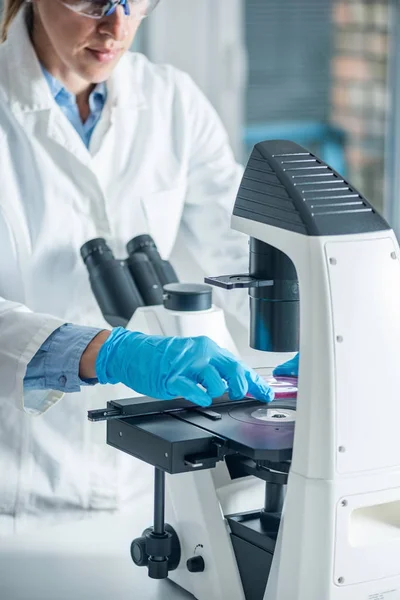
95,142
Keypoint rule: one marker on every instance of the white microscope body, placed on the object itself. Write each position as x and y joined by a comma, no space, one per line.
158,320
339,537
187,311
313,237
195,501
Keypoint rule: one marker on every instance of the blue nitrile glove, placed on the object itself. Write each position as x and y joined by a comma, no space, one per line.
169,367
288,369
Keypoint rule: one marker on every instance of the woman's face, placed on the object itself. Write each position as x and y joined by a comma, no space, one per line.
72,43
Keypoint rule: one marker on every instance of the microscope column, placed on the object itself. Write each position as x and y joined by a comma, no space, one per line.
159,502
274,495
158,542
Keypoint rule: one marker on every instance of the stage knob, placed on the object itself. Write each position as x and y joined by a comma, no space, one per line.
138,552
195,564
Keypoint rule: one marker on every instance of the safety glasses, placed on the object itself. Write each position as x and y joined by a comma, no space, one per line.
97,9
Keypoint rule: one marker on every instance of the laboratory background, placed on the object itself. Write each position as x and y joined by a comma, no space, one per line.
322,73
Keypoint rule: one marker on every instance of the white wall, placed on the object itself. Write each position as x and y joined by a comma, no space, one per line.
205,38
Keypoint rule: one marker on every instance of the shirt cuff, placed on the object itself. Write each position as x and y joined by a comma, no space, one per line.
56,364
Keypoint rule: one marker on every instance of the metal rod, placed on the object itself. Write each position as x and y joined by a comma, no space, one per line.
159,501
104,414
274,495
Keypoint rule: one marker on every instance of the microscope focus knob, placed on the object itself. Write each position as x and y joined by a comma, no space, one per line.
195,564
138,552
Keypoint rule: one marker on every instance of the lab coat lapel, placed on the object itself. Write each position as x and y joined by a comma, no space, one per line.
51,125
121,104
35,108
63,133
30,97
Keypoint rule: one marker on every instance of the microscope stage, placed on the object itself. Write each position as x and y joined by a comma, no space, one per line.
193,439
254,430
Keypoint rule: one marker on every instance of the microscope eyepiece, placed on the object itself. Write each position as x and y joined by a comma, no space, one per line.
96,247
111,283
141,243
145,276
146,245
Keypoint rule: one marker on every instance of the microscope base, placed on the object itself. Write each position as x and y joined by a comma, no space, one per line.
253,537
254,565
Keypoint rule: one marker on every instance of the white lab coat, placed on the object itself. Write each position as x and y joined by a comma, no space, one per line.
159,159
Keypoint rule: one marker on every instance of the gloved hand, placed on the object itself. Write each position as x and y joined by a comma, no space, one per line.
288,369
169,367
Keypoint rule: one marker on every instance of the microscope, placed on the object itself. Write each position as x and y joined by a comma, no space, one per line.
324,276
142,293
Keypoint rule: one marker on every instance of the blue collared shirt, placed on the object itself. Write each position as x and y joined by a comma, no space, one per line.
67,102
56,364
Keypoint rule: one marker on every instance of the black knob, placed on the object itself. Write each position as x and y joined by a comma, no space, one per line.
158,569
187,296
195,564
138,552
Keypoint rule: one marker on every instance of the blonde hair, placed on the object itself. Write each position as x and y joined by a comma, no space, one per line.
10,11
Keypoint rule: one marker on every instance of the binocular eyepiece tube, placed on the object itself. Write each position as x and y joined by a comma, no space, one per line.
122,286
111,282
145,246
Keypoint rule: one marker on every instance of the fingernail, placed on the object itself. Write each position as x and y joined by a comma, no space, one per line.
235,397
269,395
206,403
198,402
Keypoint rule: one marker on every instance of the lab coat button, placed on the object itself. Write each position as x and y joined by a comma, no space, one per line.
62,380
